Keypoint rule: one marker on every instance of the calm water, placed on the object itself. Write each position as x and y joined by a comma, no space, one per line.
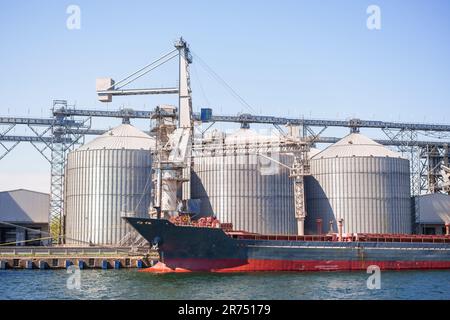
130,284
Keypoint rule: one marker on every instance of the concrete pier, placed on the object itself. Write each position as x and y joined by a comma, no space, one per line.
82,257
105,264
43,265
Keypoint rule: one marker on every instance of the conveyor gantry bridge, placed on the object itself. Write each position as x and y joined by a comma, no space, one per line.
353,124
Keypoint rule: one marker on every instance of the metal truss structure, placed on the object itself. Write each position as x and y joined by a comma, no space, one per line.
54,137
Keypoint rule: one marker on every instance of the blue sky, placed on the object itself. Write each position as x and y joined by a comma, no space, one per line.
286,58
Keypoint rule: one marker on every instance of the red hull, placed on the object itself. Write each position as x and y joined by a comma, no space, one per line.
235,265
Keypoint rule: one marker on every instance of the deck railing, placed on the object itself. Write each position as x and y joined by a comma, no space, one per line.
349,238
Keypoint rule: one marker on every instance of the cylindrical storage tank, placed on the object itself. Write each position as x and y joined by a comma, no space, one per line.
361,182
106,178
249,191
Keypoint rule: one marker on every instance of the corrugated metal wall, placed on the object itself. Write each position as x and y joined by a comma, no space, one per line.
100,185
371,194
433,208
240,189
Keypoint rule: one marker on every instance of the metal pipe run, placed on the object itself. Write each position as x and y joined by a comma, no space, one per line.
340,224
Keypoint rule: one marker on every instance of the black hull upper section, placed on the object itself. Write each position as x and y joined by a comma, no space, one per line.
188,241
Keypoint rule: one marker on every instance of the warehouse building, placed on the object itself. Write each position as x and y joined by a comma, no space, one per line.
432,213
24,217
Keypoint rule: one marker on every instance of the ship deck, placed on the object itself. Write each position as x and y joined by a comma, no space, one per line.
352,238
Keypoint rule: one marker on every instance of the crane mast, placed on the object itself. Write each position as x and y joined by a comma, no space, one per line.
184,86
185,122
173,160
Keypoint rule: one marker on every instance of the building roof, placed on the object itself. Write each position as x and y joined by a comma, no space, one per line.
356,145
24,190
24,206
124,136
433,208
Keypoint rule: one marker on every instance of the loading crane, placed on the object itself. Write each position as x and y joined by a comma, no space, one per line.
286,144
173,154
173,165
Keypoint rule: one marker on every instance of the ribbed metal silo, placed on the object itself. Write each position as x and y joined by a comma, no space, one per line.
247,190
105,178
362,182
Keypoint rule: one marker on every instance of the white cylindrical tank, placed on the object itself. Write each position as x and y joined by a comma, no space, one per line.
251,192
106,178
362,182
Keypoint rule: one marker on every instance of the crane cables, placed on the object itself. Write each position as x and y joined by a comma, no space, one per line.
25,228
197,76
146,186
52,237
219,79
144,70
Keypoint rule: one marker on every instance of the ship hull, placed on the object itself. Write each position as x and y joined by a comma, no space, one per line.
187,248
259,265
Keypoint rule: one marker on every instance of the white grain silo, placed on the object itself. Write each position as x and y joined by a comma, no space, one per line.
105,178
253,193
361,182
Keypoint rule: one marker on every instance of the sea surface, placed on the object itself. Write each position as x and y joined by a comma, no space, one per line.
131,284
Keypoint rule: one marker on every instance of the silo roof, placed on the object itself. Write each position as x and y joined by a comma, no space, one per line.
313,151
124,136
356,145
